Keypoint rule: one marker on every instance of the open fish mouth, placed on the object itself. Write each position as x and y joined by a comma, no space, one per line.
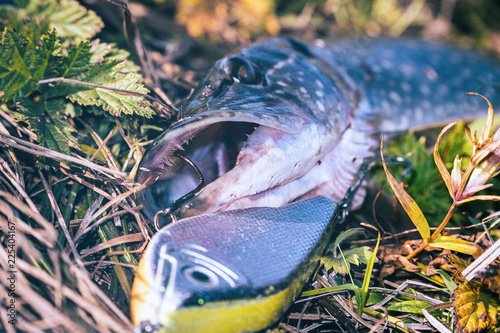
207,154
240,161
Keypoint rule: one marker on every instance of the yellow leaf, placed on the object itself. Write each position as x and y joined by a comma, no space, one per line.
476,307
459,245
225,18
407,202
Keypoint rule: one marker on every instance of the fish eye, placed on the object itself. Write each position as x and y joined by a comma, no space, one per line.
242,71
201,276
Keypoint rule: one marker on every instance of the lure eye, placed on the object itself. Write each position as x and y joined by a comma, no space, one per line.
201,276
242,71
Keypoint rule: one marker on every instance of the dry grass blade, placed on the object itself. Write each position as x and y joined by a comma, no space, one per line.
37,150
60,218
114,242
82,308
115,201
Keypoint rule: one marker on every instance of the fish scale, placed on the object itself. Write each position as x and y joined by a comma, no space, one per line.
300,121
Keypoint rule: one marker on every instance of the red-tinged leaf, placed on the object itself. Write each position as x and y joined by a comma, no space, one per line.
488,126
459,245
439,162
407,202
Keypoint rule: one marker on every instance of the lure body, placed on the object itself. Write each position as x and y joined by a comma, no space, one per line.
312,114
234,271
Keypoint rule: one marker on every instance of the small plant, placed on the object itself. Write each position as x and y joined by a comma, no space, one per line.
462,185
475,305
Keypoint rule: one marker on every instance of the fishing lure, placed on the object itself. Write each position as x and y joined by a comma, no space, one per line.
234,271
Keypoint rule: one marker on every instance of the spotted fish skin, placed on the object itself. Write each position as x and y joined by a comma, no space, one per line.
412,83
318,110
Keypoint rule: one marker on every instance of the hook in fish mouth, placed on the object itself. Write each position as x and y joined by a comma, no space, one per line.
177,176
178,203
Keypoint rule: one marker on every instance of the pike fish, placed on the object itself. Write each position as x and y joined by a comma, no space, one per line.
286,125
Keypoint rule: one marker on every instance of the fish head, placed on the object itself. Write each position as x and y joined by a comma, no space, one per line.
253,110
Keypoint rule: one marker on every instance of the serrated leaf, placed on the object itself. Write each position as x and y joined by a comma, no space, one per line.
337,264
114,102
340,264
46,119
77,61
476,307
455,244
342,237
101,51
23,64
71,20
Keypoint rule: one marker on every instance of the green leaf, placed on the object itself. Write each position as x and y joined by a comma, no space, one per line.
115,102
100,51
30,54
78,61
340,264
23,64
342,237
368,273
414,306
47,120
71,20
448,281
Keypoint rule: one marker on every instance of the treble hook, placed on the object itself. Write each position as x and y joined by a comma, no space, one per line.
177,203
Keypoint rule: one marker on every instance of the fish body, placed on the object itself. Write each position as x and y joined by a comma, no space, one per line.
276,122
